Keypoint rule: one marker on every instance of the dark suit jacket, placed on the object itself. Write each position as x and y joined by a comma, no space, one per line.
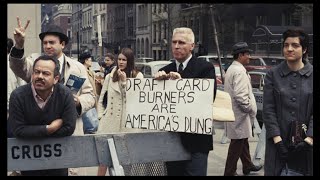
196,68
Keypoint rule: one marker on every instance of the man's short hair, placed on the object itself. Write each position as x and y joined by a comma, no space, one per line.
187,31
55,60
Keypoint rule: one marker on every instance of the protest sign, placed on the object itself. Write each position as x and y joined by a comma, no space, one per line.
183,105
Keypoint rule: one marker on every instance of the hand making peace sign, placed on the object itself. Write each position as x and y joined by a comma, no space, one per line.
19,34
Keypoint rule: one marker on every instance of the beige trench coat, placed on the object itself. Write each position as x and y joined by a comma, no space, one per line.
23,68
112,118
238,85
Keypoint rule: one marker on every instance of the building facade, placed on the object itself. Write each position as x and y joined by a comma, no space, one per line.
26,12
61,15
147,28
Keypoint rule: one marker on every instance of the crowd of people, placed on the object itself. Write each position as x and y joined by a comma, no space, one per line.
99,106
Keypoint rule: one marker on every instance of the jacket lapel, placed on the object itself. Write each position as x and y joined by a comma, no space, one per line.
189,69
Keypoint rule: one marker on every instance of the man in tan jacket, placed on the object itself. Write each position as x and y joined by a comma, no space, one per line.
53,41
238,85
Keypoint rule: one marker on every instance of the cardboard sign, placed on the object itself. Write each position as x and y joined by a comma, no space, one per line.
183,105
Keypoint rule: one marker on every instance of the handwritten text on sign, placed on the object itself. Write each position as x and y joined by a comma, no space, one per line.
183,105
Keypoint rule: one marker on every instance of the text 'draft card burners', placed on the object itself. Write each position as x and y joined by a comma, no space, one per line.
183,105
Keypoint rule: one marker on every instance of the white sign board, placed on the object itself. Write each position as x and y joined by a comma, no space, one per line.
183,105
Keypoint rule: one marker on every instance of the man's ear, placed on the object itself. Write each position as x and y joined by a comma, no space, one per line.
192,46
56,79
63,44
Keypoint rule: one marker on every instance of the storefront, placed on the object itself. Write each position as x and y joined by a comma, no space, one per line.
267,40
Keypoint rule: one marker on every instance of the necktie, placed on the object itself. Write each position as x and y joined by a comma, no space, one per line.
180,69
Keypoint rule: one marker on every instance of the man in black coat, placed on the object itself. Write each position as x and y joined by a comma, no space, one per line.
43,108
188,66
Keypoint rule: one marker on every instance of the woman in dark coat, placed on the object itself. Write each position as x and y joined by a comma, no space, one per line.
288,98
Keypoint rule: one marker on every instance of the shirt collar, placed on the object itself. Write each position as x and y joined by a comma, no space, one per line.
35,94
306,70
184,63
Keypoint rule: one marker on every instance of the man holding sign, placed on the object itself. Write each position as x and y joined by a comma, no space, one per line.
188,66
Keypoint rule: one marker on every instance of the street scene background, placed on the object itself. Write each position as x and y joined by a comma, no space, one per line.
147,29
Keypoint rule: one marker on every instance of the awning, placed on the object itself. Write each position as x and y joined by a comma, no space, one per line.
273,34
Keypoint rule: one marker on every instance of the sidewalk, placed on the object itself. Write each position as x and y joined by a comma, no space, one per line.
217,157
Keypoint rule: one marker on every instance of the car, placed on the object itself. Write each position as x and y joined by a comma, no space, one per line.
256,63
95,66
144,59
214,60
150,68
257,78
218,73
273,60
257,82
226,61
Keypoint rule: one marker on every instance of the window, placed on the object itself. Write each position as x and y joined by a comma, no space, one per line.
154,8
255,62
154,54
159,32
255,80
69,33
69,20
165,30
154,33
261,20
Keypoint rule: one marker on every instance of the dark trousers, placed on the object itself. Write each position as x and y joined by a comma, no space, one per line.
196,166
47,172
238,148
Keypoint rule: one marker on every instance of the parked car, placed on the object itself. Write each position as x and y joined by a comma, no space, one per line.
144,59
273,60
95,66
149,69
256,63
218,73
225,61
214,60
257,82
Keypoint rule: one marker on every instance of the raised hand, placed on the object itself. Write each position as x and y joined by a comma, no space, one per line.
122,75
19,34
